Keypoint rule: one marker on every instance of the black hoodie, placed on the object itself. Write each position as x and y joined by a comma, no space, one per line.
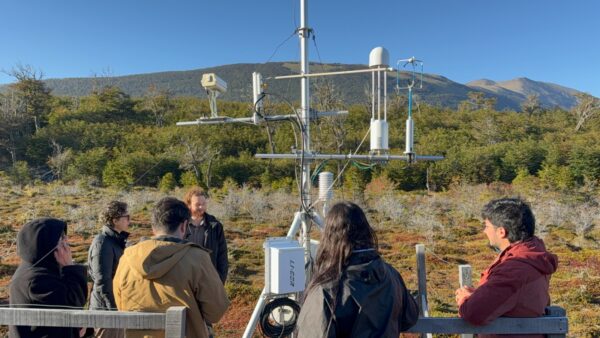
369,300
40,282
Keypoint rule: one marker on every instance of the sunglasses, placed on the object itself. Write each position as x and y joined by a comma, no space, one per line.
126,216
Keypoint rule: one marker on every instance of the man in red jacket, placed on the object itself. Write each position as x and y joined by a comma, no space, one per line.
516,283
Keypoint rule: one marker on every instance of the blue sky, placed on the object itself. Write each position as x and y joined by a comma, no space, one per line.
546,40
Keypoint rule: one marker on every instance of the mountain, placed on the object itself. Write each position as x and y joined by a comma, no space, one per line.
517,90
436,89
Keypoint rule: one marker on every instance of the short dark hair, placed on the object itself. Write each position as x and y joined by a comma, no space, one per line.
168,214
114,209
513,214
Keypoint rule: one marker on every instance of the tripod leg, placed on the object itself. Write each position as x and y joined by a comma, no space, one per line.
255,314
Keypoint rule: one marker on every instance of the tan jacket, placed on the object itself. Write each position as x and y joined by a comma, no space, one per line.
159,273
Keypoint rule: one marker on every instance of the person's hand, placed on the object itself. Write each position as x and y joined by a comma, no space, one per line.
462,294
63,253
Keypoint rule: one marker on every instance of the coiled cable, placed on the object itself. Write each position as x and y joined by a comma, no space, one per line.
272,327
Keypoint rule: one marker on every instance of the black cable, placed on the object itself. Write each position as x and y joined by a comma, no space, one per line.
314,38
281,44
256,110
270,327
145,173
303,133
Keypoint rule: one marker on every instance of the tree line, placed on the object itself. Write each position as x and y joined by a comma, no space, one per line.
108,138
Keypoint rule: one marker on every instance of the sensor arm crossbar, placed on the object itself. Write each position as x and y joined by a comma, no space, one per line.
357,71
374,158
224,119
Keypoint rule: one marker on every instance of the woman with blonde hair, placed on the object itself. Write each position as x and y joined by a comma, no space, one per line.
353,292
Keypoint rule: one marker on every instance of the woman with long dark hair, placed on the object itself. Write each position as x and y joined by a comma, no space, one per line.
353,292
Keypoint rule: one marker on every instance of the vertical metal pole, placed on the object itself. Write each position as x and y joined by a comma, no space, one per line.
379,95
372,95
384,95
304,34
260,305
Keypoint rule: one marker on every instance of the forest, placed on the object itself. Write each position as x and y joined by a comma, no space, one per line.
110,139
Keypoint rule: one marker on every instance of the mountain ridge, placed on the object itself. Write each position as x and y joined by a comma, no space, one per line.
437,89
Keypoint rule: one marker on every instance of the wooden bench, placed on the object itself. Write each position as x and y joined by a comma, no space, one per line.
554,324
173,321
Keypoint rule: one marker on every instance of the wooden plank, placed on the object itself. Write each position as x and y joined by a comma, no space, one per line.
464,275
556,311
541,325
465,279
175,322
422,280
82,318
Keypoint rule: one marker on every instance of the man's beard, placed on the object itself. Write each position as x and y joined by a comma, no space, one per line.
494,247
197,214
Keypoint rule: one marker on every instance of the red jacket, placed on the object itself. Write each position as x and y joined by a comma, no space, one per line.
515,285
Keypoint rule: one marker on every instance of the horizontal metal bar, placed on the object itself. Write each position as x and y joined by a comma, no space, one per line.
298,156
545,325
313,115
216,120
343,72
225,119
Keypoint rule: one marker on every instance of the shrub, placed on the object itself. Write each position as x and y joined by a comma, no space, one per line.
557,177
167,183
116,175
232,204
188,179
524,181
20,174
89,164
255,203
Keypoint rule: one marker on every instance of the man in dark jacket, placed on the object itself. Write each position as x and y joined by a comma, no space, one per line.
206,231
517,282
46,276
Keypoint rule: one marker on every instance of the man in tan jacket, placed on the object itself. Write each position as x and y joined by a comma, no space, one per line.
166,271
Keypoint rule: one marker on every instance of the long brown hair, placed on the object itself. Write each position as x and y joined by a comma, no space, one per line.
346,229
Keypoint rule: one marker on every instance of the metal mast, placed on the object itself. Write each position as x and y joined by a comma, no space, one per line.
304,34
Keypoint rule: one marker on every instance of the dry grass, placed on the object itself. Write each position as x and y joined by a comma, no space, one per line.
446,222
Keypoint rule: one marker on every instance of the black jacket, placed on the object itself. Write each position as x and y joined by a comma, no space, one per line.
370,300
40,282
103,258
214,240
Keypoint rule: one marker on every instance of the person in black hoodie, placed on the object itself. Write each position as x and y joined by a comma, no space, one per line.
354,292
46,277
103,258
